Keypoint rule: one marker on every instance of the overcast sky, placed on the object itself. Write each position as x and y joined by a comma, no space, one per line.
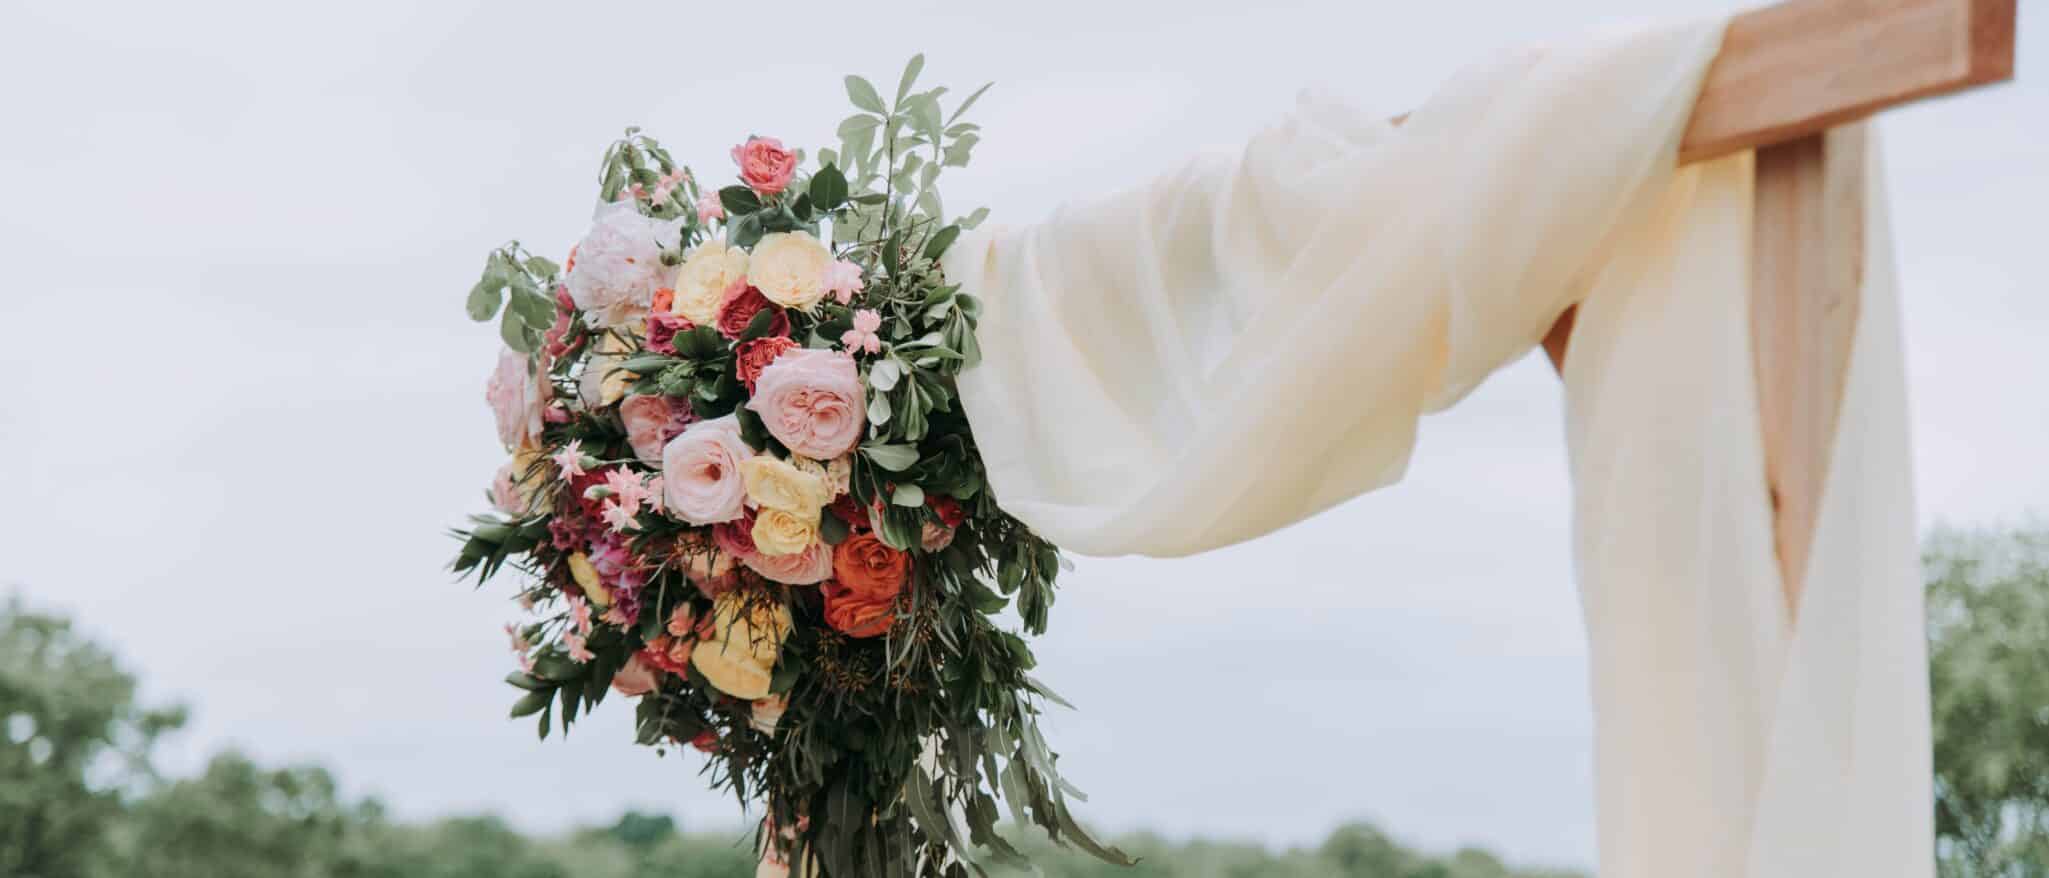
246,404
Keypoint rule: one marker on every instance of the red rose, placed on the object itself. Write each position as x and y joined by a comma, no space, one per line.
707,741
850,511
947,508
750,357
739,308
661,331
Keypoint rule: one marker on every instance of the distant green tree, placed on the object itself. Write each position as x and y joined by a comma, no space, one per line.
1988,633
71,740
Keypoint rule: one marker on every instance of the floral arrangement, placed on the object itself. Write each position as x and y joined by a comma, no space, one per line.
743,494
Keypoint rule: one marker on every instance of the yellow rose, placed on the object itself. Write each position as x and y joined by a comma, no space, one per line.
776,484
837,473
777,532
701,282
603,383
789,269
586,577
747,638
529,474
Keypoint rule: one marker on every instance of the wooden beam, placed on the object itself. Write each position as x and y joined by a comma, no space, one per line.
1803,67
1807,277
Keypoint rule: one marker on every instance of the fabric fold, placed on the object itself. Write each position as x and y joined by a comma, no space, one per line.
1249,340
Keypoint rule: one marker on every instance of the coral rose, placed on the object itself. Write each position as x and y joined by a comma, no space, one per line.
701,481
867,576
765,165
811,401
702,281
789,268
742,302
750,357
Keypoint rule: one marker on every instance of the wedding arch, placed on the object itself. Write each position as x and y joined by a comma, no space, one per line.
756,465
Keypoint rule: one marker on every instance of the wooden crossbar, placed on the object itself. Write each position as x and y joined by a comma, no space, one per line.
1791,82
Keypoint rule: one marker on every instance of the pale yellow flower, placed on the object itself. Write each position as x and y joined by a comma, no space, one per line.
789,269
783,533
702,281
777,484
586,577
747,638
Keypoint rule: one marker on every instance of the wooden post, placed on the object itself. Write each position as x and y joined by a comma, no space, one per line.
1807,267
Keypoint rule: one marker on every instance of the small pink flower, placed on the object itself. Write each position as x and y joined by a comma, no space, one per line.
577,651
709,208
570,459
619,517
627,486
843,280
765,166
862,337
580,614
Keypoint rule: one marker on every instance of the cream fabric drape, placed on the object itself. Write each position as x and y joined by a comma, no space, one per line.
1250,340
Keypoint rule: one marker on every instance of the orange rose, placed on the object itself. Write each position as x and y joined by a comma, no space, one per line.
867,576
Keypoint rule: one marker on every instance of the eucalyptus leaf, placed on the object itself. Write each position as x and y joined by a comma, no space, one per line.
895,458
863,94
884,374
484,300
910,77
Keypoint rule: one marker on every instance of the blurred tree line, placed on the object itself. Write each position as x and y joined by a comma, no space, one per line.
79,797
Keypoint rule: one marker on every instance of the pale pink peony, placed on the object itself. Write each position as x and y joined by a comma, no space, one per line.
765,166
637,678
619,265
811,400
517,398
809,567
701,481
505,490
651,421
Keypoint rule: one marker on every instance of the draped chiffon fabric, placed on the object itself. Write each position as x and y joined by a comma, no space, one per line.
1251,339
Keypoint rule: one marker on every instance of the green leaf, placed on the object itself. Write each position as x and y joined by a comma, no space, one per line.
828,188
903,86
908,495
484,299
832,529
532,702
884,374
941,240
513,330
739,200
863,94
878,409
964,105
895,458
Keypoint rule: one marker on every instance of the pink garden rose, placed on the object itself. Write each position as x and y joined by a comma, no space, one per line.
516,399
809,567
811,400
701,481
651,421
765,166
619,264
